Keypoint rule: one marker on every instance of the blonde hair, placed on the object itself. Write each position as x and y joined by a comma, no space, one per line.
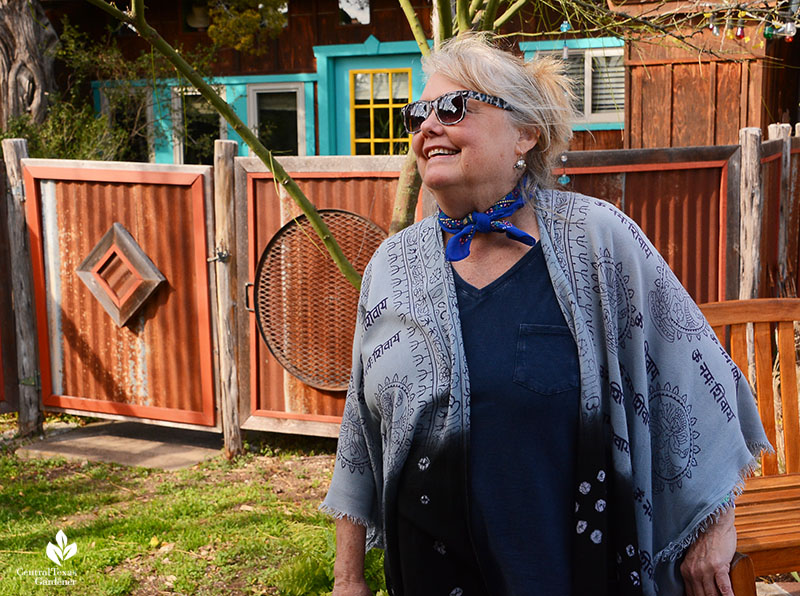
538,90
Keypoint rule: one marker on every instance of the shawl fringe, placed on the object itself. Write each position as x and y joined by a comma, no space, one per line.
675,549
337,514
757,447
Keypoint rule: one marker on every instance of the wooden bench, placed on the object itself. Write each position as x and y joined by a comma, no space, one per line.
768,512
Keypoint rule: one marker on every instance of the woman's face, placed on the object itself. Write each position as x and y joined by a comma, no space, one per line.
470,165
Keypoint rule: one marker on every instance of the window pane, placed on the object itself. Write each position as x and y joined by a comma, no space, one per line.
354,12
381,123
399,148
361,85
381,149
575,68
400,86
362,149
362,124
202,129
378,96
397,123
277,121
380,87
608,84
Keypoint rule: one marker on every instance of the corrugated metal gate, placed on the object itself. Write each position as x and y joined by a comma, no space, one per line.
362,185
121,284
684,199
771,167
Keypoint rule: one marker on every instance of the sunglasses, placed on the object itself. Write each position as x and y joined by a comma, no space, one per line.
449,108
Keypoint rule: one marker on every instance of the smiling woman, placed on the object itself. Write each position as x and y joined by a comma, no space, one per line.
519,363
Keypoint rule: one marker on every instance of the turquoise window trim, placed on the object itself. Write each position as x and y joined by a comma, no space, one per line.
311,136
589,43
334,92
236,94
599,126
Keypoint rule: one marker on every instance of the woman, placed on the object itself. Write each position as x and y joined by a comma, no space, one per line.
541,410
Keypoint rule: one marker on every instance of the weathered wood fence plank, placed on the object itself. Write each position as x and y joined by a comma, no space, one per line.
225,251
750,213
30,400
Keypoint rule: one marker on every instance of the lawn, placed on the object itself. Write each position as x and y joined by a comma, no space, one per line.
247,527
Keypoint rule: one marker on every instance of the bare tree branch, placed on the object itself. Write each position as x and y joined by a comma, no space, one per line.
137,19
509,13
443,11
416,26
487,24
462,15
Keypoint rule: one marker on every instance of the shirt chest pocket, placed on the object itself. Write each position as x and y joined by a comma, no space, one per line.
547,359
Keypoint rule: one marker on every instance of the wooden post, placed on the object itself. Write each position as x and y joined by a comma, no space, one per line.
784,133
750,213
225,251
30,400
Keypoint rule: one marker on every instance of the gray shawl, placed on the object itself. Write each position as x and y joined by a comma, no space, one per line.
678,422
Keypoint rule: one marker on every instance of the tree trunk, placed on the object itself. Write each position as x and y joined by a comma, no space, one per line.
27,47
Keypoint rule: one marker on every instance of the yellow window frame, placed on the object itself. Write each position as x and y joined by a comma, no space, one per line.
391,104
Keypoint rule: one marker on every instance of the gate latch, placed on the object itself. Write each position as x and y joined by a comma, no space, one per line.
221,255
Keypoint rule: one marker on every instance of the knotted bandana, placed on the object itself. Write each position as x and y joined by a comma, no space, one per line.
490,220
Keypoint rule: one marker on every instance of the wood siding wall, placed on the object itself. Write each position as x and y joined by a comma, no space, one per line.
311,23
679,98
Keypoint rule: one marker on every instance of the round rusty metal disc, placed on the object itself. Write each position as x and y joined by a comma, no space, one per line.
305,308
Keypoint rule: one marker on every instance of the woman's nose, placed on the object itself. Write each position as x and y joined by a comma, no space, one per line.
431,124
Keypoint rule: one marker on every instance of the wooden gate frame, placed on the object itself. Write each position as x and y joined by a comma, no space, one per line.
36,170
726,157
247,171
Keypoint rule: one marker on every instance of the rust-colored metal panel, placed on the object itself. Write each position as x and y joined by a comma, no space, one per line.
771,188
274,391
793,235
680,211
159,365
679,197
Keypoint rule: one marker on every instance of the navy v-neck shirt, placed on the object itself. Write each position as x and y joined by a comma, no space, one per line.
494,515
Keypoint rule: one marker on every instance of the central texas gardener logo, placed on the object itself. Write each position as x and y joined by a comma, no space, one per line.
62,552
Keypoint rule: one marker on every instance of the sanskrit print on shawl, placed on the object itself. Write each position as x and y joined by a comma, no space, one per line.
679,423
668,426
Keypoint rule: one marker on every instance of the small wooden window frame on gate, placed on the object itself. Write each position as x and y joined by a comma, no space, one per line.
33,175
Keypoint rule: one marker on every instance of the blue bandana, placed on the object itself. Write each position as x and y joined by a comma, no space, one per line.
490,220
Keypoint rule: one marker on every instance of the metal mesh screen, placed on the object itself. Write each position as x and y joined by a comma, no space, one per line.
305,308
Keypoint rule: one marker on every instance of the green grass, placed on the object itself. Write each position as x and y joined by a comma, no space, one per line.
248,527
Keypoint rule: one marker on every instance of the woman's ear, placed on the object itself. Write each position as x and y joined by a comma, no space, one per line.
528,137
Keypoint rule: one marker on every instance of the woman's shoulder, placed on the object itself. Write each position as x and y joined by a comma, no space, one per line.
405,244
564,202
413,235
599,217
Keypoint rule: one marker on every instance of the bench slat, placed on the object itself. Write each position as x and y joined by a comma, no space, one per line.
768,511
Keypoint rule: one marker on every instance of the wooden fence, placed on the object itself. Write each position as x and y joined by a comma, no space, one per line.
187,351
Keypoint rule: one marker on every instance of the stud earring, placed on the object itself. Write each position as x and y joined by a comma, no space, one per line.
520,164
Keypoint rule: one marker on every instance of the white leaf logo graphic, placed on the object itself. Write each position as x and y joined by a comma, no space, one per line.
54,553
62,552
